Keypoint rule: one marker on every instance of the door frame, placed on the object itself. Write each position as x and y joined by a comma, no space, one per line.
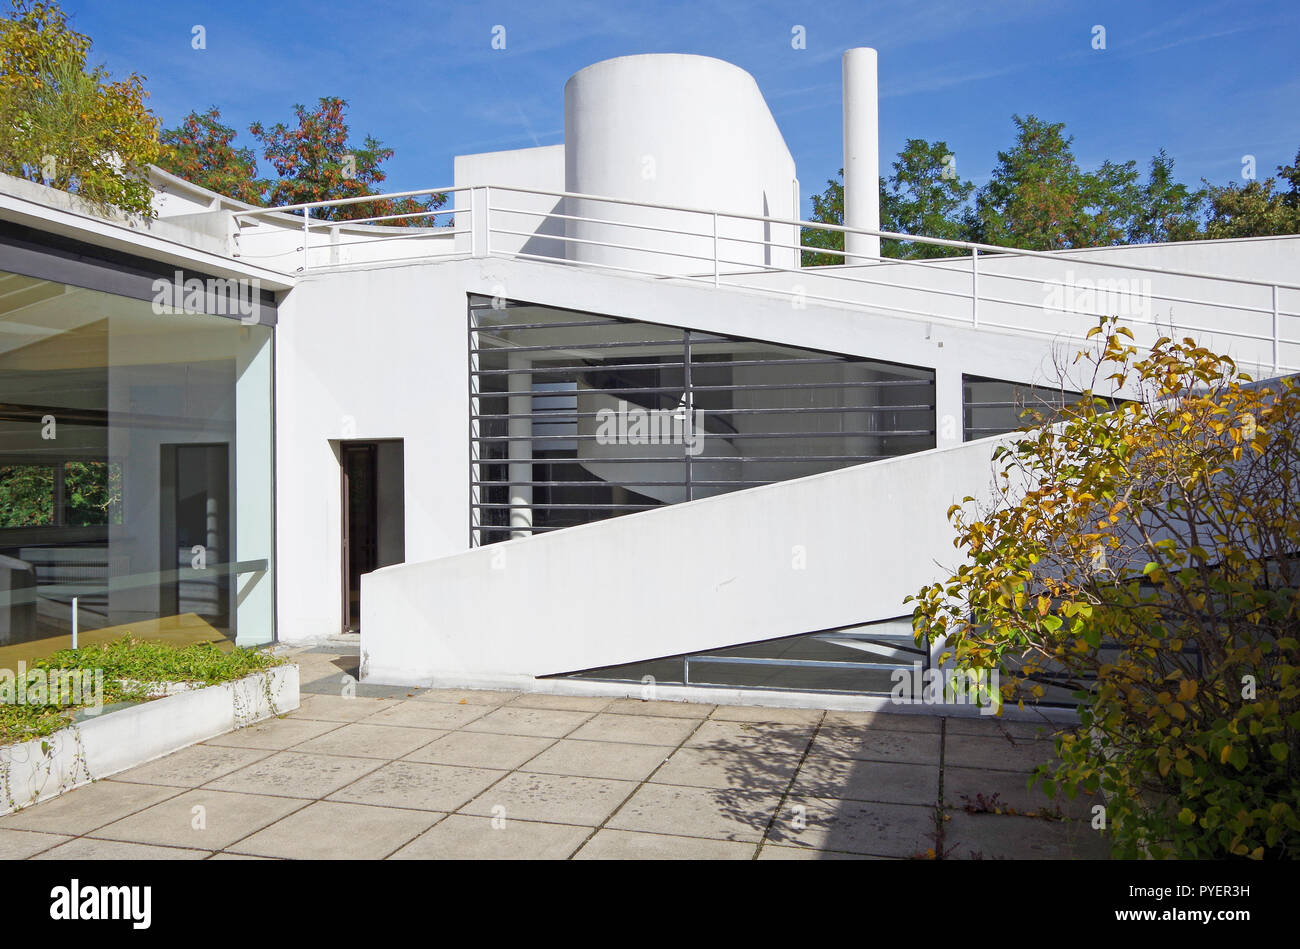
372,447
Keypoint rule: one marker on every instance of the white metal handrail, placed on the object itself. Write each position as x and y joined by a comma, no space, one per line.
712,245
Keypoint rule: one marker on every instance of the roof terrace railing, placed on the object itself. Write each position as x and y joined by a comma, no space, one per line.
1009,289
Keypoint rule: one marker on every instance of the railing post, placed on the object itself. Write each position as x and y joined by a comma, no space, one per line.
487,221
478,221
715,248
74,621
1277,335
974,286
306,230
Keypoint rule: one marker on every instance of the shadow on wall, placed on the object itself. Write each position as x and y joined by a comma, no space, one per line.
548,241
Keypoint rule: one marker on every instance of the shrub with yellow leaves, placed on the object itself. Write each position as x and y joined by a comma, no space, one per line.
1148,556
67,124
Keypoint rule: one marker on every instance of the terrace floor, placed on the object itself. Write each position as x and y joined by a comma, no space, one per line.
419,774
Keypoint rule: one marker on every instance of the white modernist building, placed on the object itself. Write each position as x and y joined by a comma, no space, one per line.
594,427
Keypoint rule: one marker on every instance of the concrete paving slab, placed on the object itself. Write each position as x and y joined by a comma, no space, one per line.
275,734
779,716
468,696
481,750
426,787
636,729
661,709
86,808
335,830
991,837
434,715
536,722
752,737
885,721
996,754
724,814
89,848
193,766
705,768
571,703
554,798
894,782
21,844
200,819
963,786
599,759
363,740
627,845
773,852
876,745
460,837
864,827
460,773
994,727
336,708
295,774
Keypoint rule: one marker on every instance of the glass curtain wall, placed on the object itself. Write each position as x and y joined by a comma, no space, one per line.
135,471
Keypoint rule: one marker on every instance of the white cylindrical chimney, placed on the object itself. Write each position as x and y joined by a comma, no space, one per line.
861,155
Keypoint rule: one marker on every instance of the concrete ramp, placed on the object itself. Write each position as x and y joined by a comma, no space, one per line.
813,553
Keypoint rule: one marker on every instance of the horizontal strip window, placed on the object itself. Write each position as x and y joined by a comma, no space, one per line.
560,409
775,410
669,460
729,436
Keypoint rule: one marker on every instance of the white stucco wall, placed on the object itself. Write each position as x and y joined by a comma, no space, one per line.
366,354
536,168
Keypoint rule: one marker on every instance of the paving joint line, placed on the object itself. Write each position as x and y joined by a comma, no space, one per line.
794,776
639,785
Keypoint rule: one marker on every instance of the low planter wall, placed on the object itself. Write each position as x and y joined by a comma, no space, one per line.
101,746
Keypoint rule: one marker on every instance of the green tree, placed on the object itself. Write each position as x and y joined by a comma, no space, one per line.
1168,210
1255,210
924,196
1036,198
1112,201
69,125
201,151
1148,555
828,207
315,162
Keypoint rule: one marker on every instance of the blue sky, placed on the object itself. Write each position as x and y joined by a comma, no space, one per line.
1208,81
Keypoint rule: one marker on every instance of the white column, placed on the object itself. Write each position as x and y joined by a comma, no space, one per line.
520,445
861,154
949,407
253,513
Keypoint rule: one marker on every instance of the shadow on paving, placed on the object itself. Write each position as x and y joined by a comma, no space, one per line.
873,790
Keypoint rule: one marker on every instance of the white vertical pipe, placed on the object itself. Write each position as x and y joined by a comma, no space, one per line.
74,621
861,154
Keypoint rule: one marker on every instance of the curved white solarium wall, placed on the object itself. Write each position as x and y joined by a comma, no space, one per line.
674,129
